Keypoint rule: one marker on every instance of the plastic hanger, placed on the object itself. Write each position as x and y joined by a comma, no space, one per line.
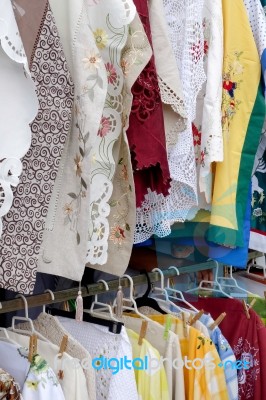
214,283
146,301
32,330
52,297
104,306
161,291
5,337
178,292
132,305
231,282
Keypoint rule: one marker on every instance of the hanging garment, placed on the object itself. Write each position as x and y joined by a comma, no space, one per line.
48,326
67,369
122,216
24,224
151,384
9,389
146,135
243,113
207,126
68,215
37,379
226,355
180,79
242,334
168,348
19,106
211,383
100,342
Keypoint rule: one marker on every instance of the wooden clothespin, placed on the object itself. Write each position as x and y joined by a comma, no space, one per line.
252,303
143,331
196,317
32,347
62,349
218,321
246,309
63,346
184,324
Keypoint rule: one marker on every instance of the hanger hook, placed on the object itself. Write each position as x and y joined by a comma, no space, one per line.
104,283
176,270
52,297
25,304
161,274
131,287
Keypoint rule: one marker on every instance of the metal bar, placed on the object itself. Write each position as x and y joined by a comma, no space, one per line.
96,288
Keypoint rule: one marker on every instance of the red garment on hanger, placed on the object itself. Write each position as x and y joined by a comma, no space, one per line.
247,337
146,134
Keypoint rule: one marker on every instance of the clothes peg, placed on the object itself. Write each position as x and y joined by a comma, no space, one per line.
196,317
63,346
184,324
168,325
252,303
32,347
246,309
218,321
143,331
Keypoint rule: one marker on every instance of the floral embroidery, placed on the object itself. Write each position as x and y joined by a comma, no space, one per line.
111,73
199,153
92,61
117,235
207,33
203,340
32,385
72,209
101,38
105,126
125,66
124,173
231,83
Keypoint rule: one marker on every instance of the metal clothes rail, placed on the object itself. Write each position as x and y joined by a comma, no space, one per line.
97,288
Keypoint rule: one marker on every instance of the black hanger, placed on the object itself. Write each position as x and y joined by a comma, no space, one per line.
114,326
146,301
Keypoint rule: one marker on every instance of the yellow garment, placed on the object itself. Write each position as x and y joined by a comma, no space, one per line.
241,78
151,384
203,383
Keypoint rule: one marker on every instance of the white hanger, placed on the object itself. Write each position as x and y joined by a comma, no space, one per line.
5,337
214,283
131,301
52,297
232,282
178,292
161,291
105,307
32,330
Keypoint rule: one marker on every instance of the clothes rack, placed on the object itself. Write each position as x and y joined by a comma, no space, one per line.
98,288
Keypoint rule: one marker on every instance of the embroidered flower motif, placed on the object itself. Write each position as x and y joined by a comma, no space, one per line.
117,235
92,61
125,66
202,156
124,173
257,212
206,47
111,73
68,209
83,194
105,126
196,135
101,38
32,385
78,165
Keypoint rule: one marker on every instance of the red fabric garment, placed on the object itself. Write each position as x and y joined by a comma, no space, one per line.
247,337
146,134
